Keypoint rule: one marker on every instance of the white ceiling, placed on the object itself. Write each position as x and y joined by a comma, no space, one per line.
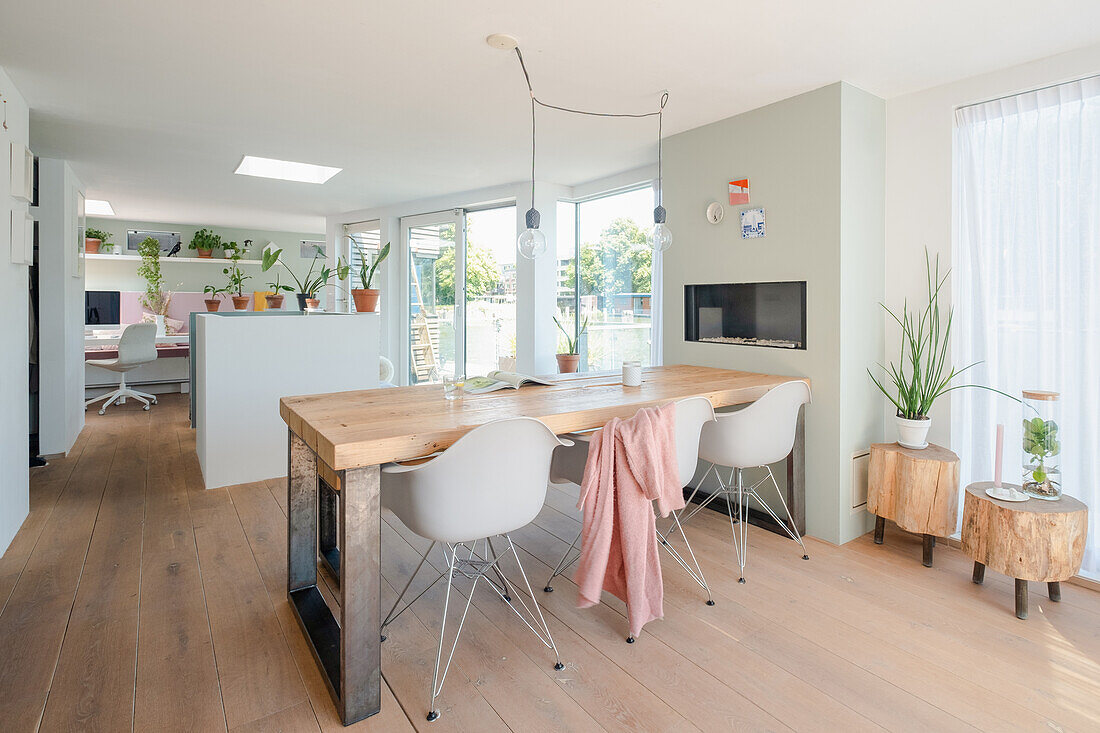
155,103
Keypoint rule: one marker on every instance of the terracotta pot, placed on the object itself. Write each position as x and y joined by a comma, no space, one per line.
91,246
205,253
568,363
212,305
313,303
240,302
274,302
366,300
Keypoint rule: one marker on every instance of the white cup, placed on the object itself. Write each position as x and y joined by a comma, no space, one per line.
632,374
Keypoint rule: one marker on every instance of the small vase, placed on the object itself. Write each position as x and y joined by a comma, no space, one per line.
240,302
91,246
568,363
274,302
366,300
205,253
159,320
913,433
212,305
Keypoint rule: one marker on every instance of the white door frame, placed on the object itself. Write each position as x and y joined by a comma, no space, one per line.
449,216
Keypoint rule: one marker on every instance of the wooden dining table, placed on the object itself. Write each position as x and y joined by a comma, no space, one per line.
338,441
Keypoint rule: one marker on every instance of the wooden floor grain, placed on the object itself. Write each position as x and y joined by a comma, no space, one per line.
133,599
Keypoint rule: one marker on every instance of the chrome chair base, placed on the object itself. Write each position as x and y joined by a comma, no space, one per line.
739,521
475,566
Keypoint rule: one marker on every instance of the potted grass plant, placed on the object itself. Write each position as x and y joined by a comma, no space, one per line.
236,276
569,359
95,239
923,374
365,297
204,242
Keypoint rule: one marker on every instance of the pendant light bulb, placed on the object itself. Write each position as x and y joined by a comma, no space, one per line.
532,240
660,236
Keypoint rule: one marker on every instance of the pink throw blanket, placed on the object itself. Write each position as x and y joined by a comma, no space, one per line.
630,464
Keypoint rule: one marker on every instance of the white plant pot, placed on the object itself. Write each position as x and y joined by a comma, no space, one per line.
913,433
160,325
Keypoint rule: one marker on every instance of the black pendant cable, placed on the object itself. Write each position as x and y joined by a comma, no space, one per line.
532,241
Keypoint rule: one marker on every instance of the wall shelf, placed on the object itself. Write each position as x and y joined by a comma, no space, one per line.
137,258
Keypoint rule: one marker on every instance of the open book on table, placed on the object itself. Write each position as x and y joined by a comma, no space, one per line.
499,380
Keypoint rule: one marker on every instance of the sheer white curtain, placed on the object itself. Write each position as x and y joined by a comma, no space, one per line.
1026,280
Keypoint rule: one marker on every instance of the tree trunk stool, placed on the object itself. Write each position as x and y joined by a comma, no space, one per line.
1035,540
917,489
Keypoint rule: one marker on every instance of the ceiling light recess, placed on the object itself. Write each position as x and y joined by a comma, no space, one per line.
98,207
285,170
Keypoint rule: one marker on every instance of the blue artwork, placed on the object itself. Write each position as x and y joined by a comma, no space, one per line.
752,223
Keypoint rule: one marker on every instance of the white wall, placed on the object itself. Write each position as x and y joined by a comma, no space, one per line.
14,418
815,163
919,182
60,310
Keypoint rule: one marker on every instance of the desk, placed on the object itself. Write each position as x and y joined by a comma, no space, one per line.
348,435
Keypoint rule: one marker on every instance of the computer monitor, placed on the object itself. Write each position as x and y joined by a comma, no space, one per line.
101,307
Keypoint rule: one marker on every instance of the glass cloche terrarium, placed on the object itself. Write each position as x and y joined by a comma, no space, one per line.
1042,444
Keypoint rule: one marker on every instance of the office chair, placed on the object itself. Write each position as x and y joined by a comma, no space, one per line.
137,346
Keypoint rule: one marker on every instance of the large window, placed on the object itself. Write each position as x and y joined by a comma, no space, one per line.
612,286
462,292
1026,267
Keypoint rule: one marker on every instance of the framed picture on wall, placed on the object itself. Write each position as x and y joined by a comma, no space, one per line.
81,223
312,250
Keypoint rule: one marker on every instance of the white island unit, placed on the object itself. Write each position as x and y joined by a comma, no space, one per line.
243,363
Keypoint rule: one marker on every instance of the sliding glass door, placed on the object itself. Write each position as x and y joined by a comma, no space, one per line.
462,292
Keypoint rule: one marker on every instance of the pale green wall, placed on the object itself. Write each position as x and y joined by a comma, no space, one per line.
815,163
189,276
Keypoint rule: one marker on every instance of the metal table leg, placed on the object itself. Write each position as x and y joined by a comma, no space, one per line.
348,652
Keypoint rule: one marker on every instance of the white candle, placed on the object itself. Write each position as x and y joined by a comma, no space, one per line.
1000,453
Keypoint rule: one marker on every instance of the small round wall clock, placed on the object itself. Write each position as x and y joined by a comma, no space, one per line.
715,212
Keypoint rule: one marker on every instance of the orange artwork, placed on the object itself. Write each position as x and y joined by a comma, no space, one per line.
739,192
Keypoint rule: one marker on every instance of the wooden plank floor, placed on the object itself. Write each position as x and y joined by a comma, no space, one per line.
133,599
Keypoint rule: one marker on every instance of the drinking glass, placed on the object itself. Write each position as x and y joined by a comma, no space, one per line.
452,386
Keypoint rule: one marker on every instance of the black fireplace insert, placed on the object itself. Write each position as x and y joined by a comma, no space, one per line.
771,315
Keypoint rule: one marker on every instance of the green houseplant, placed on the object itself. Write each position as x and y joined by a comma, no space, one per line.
204,242
213,302
365,297
923,374
236,276
569,359
94,239
314,280
155,298
275,299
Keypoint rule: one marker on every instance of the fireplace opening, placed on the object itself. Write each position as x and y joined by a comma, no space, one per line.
772,315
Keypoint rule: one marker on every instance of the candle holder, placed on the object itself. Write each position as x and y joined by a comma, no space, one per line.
1042,445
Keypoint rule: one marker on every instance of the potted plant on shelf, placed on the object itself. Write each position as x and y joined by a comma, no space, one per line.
275,299
311,284
95,239
366,298
569,359
213,303
204,241
924,373
155,298
236,276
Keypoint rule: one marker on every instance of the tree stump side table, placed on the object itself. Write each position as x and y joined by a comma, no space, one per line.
918,489
1035,540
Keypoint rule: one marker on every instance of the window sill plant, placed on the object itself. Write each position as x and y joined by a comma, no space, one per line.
365,297
95,239
569,360
204,241
923,374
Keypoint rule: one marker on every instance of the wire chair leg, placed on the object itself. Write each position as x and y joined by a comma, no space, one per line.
697,573
562,564
437,680
792,530
542,619
391,616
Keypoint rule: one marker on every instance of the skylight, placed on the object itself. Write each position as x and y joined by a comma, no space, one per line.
98,207
285,170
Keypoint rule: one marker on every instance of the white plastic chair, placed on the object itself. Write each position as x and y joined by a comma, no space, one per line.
490,482
758,435
568,466
137,346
